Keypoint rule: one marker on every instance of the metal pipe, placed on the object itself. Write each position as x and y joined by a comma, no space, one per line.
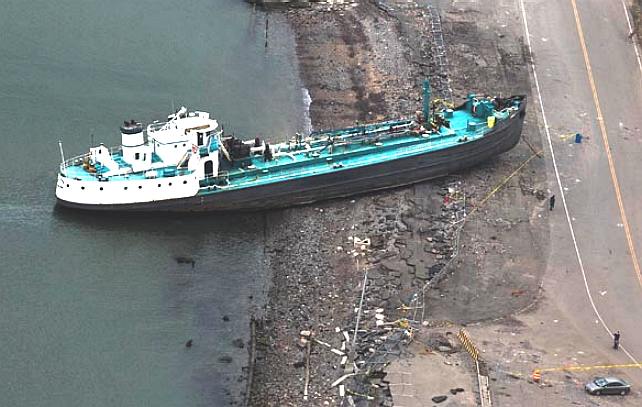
363,293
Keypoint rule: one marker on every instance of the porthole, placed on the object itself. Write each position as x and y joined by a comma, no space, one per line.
175,145
140,187
184,182
159,185
170,184
184,145
125,188
101,188
67,185
82,188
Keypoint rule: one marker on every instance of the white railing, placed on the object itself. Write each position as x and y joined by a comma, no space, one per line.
79,159
152,127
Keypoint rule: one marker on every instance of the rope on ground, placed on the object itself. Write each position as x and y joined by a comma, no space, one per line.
537,153
501,184
461,227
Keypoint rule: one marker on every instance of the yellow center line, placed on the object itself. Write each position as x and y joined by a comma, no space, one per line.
583,367
607,147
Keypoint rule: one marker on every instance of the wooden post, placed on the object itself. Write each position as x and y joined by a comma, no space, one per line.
307,371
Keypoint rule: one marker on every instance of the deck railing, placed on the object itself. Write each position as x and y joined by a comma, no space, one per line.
79,159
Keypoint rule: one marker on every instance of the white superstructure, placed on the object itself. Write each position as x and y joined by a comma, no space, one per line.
164,162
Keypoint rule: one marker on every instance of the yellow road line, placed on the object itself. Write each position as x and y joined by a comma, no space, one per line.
570,368
607,147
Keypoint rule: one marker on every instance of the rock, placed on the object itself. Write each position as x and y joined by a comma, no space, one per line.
444,348
238,342
456,390
401,226
422,273
374,274
225,359
439,399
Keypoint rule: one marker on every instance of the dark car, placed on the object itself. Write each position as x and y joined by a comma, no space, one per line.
607,385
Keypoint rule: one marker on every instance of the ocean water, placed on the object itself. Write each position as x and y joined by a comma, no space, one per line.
94,309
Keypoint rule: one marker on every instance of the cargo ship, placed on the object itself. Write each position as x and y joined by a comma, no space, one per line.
187,162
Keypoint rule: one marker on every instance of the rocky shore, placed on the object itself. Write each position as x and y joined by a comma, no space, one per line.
397,263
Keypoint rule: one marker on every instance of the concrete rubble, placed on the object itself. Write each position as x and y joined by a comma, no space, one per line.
424,263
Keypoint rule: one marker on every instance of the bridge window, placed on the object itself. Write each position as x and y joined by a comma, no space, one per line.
137,156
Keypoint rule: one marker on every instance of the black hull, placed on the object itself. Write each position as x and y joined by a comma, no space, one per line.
342,183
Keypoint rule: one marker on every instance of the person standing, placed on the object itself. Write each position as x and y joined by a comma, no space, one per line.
616,340
551,202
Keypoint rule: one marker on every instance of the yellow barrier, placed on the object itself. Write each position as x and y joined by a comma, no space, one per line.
468,344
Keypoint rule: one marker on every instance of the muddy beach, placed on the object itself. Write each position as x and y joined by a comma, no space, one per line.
397,264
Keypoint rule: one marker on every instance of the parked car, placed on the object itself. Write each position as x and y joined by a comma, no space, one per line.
607,385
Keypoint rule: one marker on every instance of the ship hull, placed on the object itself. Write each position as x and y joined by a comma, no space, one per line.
348,182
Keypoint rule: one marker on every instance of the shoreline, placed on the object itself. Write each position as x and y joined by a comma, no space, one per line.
365,61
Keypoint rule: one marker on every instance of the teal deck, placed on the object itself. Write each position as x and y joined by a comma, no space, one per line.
354,154
79,173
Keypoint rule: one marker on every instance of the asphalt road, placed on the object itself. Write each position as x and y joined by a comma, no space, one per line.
602,271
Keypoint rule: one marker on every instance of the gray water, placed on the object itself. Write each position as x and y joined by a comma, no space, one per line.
95,310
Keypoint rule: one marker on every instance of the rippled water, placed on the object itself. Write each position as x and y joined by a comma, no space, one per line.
95,310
